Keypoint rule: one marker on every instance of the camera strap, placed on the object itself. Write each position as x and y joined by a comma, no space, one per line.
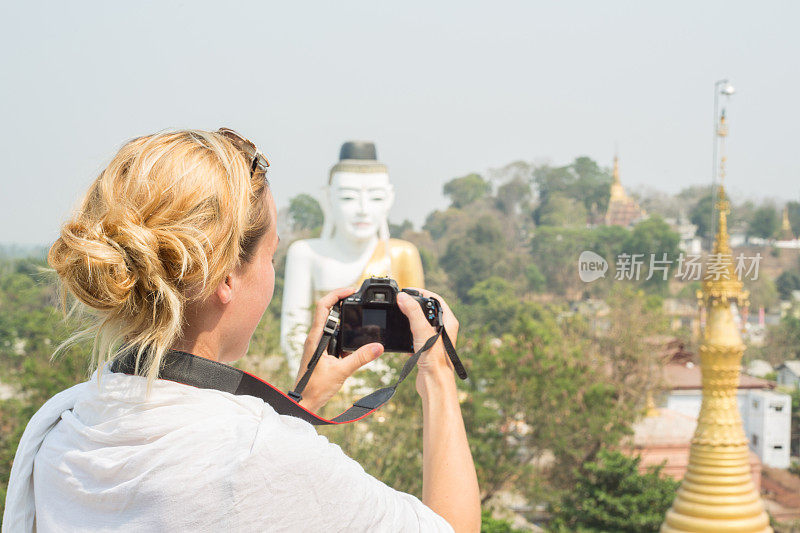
188,369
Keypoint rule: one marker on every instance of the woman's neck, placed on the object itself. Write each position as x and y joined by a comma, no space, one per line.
205,335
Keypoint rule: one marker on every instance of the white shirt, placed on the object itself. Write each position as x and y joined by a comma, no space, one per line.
102,457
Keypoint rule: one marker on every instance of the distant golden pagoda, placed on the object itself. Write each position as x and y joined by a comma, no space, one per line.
717,493
622,209
786,226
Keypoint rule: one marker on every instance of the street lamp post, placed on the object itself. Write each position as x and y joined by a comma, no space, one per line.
717,493
721,87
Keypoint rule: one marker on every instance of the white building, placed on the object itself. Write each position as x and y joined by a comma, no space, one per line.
767,423
766,414
789,374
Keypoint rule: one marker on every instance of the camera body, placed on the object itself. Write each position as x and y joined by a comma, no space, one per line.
372,315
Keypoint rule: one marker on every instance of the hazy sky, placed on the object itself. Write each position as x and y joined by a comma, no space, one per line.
443,88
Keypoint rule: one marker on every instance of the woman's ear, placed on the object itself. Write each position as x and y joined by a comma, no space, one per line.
224,290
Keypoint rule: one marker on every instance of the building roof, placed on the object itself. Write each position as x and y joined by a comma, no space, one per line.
759,368
793,366
689,377
668,427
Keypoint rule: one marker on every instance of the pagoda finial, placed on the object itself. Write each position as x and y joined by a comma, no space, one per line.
722,133
786,225
722,129
722,283
722,239
617,192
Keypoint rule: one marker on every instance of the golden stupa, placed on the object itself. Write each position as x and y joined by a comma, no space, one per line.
717,493
622,209
786,226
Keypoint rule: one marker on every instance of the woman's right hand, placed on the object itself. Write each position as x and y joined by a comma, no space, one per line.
330,372
433,365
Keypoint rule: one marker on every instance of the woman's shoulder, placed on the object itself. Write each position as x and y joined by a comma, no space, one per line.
120,412
119,409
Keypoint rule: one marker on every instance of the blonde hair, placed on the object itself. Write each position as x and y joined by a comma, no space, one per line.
163,224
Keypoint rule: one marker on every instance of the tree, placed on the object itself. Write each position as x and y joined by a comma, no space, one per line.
788,281
783,341
30,329
396,230
593,186
701,214
611,495
654,240
305,213
764,222
794,216
582,180
446,224
555,251
475,256
490,524
463,191
562,211
632,362
536,393
763,292
493,304
514,195
535,278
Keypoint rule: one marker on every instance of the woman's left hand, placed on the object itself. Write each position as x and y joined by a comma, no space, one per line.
331,372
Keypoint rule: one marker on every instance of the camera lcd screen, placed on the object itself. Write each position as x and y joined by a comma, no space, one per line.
374,317
365,323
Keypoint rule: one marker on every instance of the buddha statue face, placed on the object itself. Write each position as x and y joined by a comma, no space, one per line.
360,203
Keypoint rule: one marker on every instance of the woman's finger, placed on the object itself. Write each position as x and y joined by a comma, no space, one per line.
450,320
362,356
325,304
335,295
421,329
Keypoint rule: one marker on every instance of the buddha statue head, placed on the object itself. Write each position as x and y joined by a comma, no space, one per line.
359,195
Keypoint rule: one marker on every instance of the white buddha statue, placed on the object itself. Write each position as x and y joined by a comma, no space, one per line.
354,245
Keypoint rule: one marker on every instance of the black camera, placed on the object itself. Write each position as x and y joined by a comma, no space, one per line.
372,315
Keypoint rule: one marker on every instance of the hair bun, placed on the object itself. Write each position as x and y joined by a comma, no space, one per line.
94,266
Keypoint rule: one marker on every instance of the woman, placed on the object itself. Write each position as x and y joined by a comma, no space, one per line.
172,249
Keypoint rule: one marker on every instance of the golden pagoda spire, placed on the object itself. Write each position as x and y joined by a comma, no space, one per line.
717,493
617,191
786,226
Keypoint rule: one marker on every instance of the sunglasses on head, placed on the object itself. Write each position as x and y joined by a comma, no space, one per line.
259,160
